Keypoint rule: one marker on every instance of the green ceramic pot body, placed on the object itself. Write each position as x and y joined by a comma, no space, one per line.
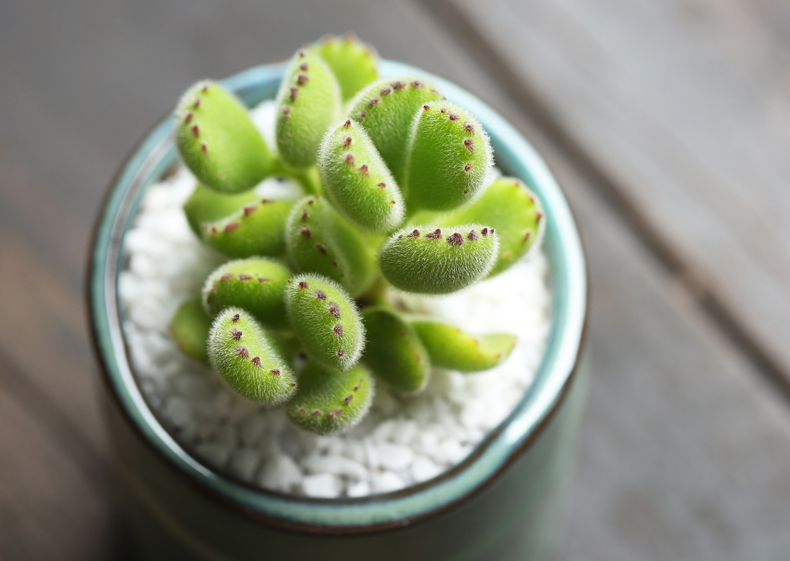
505,501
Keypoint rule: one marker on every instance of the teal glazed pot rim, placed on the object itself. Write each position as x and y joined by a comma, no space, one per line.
156,154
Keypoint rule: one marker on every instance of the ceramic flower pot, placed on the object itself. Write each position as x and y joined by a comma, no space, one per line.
504,501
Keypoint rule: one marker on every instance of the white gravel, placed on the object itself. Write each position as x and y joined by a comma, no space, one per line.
400,443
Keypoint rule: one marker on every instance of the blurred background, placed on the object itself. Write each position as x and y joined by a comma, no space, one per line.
668,125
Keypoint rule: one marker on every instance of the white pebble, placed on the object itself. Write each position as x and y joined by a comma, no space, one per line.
423,469
385,430
336,465
405,432
178,411
359,489
386,482
215,452
394,456
252,429
321,485
243,463
451,452
280,473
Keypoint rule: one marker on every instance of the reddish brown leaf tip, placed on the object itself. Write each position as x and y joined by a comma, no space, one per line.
455,239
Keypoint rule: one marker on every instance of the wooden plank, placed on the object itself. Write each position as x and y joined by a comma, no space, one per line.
678,109
684,446
43,333
53,502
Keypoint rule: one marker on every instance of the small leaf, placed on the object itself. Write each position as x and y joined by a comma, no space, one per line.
449,347
320,241
208,205
330,401
394,352
307,103
217,140
386,109
357,179
326,320
431,260
516,214
243,354
353,62
190,326
256,229
255,284
450,158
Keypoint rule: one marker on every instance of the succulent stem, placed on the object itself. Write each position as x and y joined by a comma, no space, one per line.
394,352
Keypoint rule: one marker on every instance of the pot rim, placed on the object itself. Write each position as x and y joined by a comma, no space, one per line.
375,513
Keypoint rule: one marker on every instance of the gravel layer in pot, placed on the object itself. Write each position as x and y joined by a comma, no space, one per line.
403,441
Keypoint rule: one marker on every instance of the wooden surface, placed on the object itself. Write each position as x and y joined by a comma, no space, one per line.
667,123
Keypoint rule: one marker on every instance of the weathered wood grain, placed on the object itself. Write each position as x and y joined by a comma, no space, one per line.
684,446
53,502
681,108
682,442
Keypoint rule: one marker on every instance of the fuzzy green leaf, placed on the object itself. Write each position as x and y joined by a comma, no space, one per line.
394,352
217,140
514,211
242,352
256,229
255,284
307,103
450,158
190,326
387,109
353,62
429,260
320,241
330,401
326,320
449,347
357,179
207,205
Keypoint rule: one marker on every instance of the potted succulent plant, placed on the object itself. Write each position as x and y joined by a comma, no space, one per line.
301,276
